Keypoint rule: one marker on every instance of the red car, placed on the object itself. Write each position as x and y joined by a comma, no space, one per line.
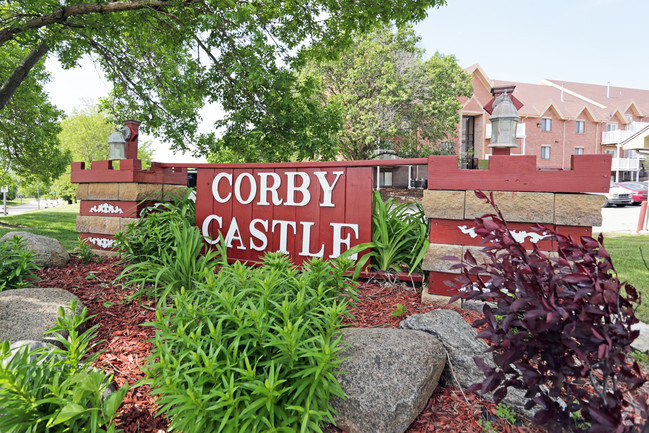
638,191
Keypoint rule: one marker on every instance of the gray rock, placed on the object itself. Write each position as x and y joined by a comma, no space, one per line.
49,252
32,345
389,376
462,344
642,342
26,314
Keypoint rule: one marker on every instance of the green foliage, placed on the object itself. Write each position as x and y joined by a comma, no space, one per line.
166,62
399,235
180,264
392,100
57,390
85,251
29,124
400,310
17,265
252,349
150,237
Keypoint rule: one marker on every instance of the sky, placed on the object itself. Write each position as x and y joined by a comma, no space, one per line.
588,41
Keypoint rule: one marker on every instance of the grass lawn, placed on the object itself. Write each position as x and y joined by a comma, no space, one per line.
625,251
57,222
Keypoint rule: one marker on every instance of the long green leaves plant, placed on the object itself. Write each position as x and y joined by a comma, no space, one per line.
399,235
252,349
148,238
17,264
56,390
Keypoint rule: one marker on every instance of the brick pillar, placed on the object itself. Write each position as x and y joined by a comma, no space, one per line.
525,195
111,198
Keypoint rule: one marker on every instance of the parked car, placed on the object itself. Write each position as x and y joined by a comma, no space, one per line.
617,196
638,191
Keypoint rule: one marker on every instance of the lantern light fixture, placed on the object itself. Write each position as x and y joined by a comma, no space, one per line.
504,120
117,143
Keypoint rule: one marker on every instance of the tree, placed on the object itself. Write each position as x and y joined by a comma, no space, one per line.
167,58
391,99
29,125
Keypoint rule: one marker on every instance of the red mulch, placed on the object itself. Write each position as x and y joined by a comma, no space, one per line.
126,350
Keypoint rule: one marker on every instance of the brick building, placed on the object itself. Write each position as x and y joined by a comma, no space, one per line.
559,119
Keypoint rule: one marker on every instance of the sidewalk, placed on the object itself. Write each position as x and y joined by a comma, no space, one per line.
29,206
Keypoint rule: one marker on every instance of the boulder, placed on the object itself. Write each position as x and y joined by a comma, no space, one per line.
462,344
49,252
26,314
642,342
389,377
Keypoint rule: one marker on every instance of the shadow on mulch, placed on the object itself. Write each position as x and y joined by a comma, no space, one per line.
125,346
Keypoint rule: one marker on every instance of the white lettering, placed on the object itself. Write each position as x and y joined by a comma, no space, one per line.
338,241
206,228
258,234
234,234
237,188
215,187
283,233
306,241
326,187
264,189
291,188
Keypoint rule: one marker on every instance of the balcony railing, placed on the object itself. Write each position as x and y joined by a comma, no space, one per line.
614,137
625,164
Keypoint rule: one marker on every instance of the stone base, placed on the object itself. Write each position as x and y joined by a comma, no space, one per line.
440,300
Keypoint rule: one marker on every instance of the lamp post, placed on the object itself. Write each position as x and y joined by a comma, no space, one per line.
504,120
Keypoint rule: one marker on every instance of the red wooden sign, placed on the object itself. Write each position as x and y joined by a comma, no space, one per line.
300,209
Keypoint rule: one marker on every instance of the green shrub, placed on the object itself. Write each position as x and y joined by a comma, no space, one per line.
180,264
252,349
57,390
17,264
85,251
152,234
399,235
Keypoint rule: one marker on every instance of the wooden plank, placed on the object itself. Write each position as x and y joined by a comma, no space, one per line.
283,213
300,165
204,200
589,173
436,285
460,232
336,212
242,212
309,222
358,203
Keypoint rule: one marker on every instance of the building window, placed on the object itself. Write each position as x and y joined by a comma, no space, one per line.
545,152
579,125
610,152
611,127
579,150
546,124
385,178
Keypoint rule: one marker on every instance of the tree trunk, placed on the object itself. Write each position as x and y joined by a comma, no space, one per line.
20,73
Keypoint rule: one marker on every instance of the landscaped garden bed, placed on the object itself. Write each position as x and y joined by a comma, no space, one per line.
126,348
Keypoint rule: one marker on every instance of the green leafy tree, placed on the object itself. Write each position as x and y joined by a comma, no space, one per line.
168,58
393,101
29,125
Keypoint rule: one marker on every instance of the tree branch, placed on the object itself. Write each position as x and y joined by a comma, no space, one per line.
59,16
20,73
